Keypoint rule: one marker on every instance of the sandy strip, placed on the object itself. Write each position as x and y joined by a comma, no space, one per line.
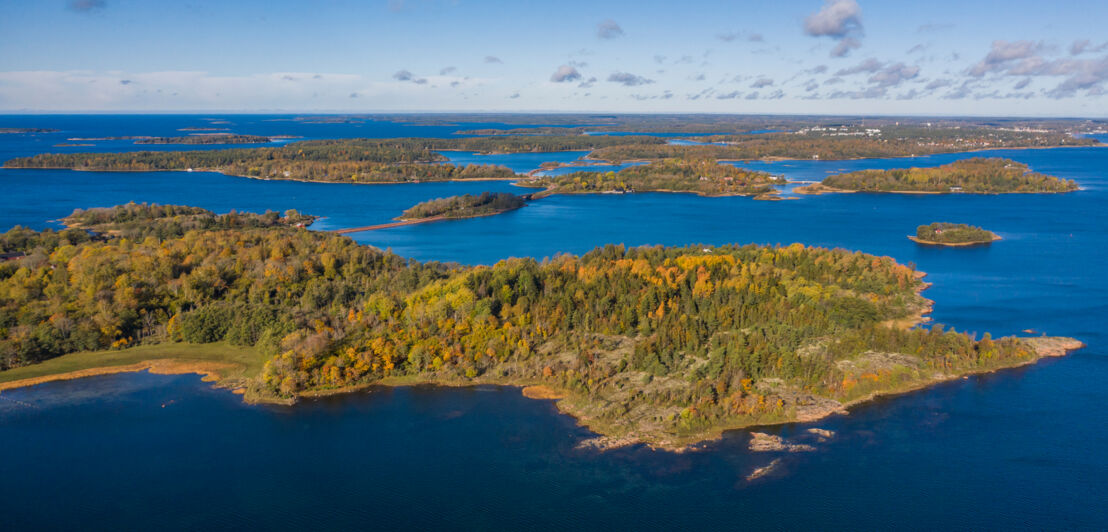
210,371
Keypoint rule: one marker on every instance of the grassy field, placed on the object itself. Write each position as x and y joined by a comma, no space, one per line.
246,361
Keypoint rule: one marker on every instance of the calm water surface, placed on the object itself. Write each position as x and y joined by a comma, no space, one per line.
1021,449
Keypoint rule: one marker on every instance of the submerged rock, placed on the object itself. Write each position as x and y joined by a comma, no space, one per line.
760,472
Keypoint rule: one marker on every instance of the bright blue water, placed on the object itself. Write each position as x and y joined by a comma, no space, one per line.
1021,449
35,197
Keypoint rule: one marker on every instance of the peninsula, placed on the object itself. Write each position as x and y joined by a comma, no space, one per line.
464,206
950,234
662,345
970,176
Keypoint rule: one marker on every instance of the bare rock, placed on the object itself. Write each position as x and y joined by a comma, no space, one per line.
762,442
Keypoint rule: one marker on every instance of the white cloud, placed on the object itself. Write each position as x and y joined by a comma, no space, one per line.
608,29
628,80
565,73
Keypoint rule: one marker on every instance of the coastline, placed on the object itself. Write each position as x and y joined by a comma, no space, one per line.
817,189
607,437
209,372
918,240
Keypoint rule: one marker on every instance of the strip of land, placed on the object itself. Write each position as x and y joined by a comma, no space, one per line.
666,346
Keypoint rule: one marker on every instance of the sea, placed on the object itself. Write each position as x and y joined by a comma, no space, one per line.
1020,449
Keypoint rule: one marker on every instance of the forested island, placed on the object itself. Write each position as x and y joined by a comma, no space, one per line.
341,160
208,138
705,177
465,206
17,130
418,159
663,345
972,176
951,234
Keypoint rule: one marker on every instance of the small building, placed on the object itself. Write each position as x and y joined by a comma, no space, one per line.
955,189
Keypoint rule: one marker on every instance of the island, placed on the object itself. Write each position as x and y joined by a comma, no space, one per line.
704,177
970,176
336,160
207,138
464,206
951,234
421,159
666,346
19,130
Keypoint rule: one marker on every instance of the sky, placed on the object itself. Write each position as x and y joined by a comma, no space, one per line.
939,57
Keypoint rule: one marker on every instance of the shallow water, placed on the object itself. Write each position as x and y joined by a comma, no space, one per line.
1021,449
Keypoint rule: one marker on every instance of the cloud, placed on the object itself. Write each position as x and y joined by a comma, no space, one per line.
125,82
1022,83
933,27
587,84
1085,46
845,46
1003,54
87,6
353,95
491,59
404,75
729,96
840,20
628,80
917,48
938,84
1030,59
868,66
447,71
565,73
761,83
698,77
608,29
893,75
514,96
731,36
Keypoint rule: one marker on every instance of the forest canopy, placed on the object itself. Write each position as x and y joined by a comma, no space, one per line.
700,176
974,176
951,233
465,206
665,343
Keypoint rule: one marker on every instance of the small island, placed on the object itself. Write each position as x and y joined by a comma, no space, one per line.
207,138
464,206
666,346
704,177
23,130
951,234
970,176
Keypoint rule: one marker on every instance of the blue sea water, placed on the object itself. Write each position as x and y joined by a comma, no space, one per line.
1019,449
